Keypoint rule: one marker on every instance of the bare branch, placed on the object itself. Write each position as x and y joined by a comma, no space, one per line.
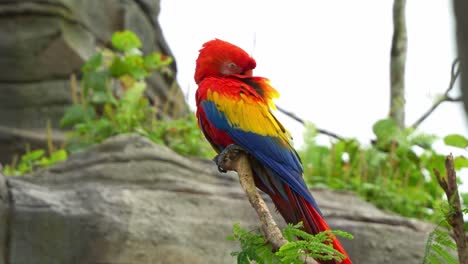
455,219
291,115
300,120
455,99
454,73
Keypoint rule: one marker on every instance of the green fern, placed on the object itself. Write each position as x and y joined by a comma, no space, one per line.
254,248
438,247
309,246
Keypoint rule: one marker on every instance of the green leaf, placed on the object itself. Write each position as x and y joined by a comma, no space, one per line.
310,133
444,239
465,199
92,64
31,160
444,254
317,246
131,64
155,61
424,141
33,155
119,67
439,246
76,114
103,128
58,156
133,94
456,140
385,129
11,171
101,97
253,246
413,157
437,162
460,163
95,81
125,41
24,167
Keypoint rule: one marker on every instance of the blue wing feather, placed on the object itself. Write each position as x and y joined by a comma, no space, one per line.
281,160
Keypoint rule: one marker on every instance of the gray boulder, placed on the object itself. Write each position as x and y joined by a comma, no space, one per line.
131,201
43,42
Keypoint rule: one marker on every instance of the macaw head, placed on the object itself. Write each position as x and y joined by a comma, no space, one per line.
221,58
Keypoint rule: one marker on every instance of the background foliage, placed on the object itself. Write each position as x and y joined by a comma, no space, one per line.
301,245
395,172
113,101
110,101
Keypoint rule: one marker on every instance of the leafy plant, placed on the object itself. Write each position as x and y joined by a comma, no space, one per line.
316,246
439,248
34,159
395,172
255,248
113,101
181,135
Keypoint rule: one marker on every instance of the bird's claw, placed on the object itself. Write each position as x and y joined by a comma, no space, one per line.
225,155
216,159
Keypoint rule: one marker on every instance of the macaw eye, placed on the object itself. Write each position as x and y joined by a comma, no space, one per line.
230,68
232,65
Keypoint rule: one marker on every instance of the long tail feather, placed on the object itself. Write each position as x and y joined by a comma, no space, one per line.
295,208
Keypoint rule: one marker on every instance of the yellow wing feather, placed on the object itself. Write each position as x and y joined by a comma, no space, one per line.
250,114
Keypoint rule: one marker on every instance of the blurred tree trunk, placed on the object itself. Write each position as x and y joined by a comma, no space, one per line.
460,8
397,64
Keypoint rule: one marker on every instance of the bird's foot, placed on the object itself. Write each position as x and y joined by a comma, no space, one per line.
231,152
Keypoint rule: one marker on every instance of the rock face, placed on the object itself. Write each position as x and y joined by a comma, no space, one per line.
131,201
43,42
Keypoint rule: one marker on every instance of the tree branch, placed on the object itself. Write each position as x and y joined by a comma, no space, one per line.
397,64
455,219
238,161
454,73
300,120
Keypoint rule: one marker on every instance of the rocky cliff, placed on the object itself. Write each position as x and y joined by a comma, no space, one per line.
44,41
131,201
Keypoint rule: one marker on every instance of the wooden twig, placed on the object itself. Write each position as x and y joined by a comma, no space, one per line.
238,161
454,73
300,120
455,219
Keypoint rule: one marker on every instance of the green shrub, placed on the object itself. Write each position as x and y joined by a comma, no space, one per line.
113,101
33,160
395,172
300,245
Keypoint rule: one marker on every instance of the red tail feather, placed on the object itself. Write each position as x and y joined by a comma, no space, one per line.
298,209
314,223
295,208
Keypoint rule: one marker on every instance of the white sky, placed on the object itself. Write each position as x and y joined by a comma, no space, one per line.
328,59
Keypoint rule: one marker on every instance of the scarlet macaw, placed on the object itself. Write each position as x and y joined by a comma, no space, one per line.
234,107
